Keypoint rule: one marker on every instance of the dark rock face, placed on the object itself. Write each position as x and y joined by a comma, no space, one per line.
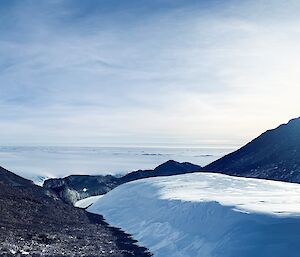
74,188
35,224
273,155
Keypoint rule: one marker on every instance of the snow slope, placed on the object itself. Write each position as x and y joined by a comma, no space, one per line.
207,215
39,180
86,202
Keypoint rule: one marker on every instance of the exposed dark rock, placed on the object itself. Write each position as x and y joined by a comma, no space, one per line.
74,188
35,224
273,155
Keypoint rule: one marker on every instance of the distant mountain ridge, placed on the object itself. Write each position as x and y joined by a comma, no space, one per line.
168,168
273,155
77,187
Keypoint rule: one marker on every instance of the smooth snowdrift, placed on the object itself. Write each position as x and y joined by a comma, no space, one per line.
86,202
207,215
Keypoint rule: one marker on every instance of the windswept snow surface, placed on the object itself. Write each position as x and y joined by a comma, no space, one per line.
207,215
86,202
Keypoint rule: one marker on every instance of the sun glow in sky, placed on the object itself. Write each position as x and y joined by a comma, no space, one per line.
141,72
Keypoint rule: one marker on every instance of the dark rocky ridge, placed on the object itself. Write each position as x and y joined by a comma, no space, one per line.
168,168
273,155
77,187
12,179
32,223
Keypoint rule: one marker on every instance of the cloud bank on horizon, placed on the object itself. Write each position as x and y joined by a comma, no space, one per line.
169,72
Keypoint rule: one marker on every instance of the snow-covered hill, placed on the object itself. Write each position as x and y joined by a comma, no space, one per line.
39,180
207,215
86,202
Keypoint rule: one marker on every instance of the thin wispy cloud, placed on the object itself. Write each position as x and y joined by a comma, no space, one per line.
146,72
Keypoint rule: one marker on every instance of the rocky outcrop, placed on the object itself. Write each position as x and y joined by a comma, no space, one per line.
77,187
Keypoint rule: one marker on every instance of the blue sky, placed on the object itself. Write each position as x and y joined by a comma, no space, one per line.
159,72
